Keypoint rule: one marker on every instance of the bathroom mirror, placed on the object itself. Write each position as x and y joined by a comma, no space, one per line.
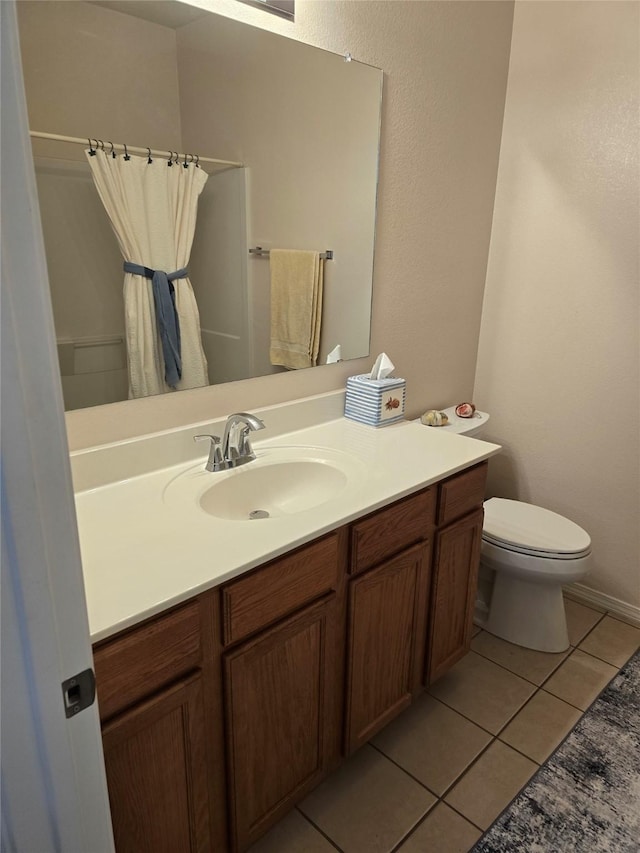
303,122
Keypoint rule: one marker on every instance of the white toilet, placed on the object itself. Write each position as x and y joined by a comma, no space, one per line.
533,552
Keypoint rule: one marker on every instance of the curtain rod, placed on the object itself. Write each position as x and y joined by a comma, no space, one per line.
76,140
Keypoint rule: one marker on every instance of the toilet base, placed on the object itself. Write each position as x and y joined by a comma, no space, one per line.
528,614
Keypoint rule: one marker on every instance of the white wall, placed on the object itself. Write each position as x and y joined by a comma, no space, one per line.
445,70
558,362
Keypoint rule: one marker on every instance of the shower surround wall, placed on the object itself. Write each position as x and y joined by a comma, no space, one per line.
66,48
559,355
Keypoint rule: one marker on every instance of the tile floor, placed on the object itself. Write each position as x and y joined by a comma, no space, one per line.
437,776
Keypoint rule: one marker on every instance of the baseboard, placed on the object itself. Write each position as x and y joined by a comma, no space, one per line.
586,595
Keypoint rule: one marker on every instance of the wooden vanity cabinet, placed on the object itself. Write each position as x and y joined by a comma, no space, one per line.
387,614
157,775
455,569
155,733
282,684
222,713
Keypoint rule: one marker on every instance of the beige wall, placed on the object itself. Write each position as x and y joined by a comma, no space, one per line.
445,70
77,86
558,362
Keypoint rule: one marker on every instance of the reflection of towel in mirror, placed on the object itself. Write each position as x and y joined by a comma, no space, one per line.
296,307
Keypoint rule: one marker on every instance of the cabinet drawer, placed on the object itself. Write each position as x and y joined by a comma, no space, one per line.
462,493
390,530
133,666
280,588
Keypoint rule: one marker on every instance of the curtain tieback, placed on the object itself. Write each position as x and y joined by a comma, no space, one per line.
164,300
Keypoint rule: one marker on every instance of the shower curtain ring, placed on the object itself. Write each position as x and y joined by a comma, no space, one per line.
149,160
177,160
197,161
100,143
185,164
112,152
126,153
92,152
170,160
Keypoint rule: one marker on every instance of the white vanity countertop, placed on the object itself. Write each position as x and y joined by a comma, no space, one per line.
143,553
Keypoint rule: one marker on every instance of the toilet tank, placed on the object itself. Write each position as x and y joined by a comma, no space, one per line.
472,426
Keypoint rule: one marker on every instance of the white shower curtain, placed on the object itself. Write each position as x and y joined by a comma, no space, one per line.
152,208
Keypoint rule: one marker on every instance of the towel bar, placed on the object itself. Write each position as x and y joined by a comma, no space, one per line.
264,253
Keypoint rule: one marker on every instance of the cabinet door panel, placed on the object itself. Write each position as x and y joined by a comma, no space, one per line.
462,494
283,587
387,633
280,701
137,664
156,774
455,581
390,530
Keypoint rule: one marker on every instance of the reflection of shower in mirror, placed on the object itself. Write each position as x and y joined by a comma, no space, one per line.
304,123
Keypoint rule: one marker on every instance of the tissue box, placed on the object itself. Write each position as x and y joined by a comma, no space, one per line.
376,402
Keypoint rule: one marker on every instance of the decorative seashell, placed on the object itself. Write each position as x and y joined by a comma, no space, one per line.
465,410
434,418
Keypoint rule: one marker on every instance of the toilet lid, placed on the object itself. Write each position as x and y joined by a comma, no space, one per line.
531,529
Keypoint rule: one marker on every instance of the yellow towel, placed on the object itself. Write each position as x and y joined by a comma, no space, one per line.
296,307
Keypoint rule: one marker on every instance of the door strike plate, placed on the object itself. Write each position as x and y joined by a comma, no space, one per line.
79,692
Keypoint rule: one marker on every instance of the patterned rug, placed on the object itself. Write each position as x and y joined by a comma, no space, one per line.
586,797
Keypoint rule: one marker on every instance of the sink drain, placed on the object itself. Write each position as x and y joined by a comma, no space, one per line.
258,513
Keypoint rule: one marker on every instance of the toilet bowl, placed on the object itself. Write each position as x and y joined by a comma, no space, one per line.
532,552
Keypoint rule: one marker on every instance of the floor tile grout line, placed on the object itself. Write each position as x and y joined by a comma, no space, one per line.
619,617
572,649
464,773
404,769
418,823
517,674
603,660
480,726
623,620
464,817
317,828
548,693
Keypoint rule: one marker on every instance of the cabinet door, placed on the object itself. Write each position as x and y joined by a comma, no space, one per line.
280,705
453,593
387,634
156,774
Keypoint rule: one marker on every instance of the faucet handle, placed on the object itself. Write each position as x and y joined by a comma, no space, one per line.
215,461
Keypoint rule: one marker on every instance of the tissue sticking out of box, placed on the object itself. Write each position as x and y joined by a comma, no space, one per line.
376,398
335,355
382,367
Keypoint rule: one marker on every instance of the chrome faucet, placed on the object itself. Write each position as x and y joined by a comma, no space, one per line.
235,448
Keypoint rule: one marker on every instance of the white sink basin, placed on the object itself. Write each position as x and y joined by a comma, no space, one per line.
281,481
269,491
